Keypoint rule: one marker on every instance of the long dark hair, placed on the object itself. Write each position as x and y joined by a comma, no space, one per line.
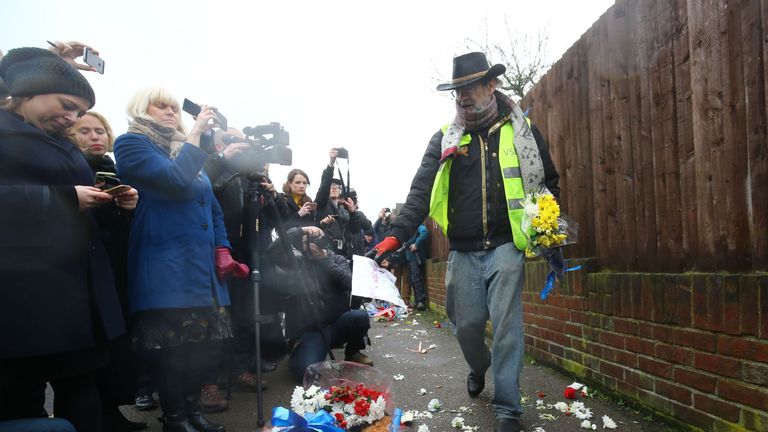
287,186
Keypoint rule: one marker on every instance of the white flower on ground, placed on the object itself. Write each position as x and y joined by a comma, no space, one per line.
547,416
398,377
584,414
458,422
539,429
423,428
561,406
586,424
422,391
434,405
540,404
608,423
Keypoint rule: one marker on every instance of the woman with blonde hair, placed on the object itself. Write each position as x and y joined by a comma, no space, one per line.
117,381
178,254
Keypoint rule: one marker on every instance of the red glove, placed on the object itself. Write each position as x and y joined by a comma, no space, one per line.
226,266
389,244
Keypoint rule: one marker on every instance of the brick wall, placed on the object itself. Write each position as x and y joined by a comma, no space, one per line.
690,346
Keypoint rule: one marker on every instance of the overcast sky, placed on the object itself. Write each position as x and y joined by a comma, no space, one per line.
359,75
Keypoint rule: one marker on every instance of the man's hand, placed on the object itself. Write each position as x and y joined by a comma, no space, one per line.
312,231
70,51
389,244
268,186
333,153
328,220
350,205
233,150
413,247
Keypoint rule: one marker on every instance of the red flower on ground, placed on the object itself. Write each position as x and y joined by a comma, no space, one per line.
570,393
339,417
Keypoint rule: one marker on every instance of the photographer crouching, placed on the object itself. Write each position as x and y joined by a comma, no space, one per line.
319,284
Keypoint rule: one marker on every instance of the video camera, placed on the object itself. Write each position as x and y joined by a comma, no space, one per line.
272,149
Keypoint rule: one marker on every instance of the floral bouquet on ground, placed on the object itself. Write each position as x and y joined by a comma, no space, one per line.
547,230
338,396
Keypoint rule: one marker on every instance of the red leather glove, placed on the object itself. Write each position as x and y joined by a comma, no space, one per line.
227,266
389,244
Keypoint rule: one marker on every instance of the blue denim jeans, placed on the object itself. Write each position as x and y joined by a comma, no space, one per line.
483,284
43,424
350,329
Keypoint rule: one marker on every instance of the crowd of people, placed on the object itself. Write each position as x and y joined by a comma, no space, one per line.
147,272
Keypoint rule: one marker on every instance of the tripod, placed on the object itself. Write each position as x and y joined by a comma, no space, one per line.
258,201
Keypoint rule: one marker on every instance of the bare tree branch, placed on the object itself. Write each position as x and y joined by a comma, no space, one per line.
521,54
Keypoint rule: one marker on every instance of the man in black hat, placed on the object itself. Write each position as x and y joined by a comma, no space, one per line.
473,177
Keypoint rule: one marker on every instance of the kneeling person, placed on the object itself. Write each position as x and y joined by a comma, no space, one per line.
318,316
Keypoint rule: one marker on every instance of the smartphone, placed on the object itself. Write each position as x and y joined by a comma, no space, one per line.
117,190
190,107
106,180
93,60
194,109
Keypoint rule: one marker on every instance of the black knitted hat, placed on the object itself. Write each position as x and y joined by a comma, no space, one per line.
35,71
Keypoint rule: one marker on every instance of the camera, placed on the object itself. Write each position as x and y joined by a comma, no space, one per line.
350,193
268,145
342,153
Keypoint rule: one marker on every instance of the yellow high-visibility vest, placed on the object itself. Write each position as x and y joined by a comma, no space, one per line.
512,179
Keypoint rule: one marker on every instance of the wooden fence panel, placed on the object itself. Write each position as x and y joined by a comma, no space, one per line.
657,119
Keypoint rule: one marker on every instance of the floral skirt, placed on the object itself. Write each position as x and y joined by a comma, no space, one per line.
166,328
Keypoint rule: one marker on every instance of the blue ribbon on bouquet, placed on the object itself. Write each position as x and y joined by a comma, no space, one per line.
320,421
557,264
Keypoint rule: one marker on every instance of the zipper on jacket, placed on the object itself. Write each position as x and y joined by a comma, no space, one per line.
483,150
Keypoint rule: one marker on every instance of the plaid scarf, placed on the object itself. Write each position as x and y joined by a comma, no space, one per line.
477,117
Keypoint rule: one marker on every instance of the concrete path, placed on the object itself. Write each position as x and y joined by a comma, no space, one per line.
442,373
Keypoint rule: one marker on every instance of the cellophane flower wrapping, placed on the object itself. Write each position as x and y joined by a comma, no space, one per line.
354,394
543,224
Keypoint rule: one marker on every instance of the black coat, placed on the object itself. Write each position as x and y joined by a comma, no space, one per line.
347,226
57,292
290,215
319,298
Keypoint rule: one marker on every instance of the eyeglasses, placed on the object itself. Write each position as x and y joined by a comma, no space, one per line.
469,89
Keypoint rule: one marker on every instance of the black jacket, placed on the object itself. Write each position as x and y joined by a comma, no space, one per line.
465,214
114,227
318,298
57,291
290,215
348,226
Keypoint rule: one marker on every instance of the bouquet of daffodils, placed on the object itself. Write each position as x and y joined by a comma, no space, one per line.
547,230
543,224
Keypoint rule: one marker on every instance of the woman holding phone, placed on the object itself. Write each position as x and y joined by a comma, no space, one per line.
300,208
117,382
59,306
178,254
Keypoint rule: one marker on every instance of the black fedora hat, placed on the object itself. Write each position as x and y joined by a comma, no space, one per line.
469,69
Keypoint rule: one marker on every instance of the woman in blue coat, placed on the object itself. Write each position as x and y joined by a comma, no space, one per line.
178,254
